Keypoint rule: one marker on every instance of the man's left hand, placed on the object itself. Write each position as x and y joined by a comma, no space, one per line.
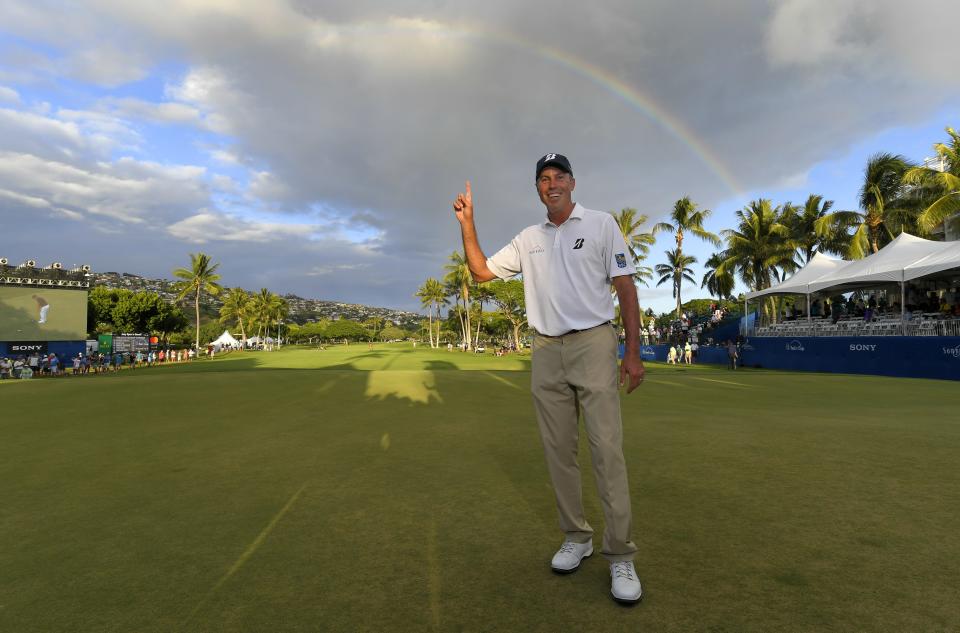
631,366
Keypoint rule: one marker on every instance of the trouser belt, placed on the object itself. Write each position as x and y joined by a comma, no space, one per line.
573,331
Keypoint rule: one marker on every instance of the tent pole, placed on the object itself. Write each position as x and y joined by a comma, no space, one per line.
745,322
903,308
808,307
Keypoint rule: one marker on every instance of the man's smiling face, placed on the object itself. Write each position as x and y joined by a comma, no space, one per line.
555,187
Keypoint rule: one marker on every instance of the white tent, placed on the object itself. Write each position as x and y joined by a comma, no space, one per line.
818,266
885,267
225,340
946,258
906,258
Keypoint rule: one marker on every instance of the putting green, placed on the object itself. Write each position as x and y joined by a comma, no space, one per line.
393,489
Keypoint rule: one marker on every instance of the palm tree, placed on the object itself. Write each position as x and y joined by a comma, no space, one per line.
432,295
235,307
423,293
279,308
719,285
802,223
267,309
942,184
376,325
686,218
481,294
677,269
199,278
760,248
885,203
638,243
261,310
458,277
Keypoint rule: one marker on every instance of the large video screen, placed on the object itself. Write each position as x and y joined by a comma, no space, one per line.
41,313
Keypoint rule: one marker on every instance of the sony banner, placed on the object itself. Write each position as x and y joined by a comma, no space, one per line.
27,347
913,356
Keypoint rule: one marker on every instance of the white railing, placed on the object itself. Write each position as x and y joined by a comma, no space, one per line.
885,326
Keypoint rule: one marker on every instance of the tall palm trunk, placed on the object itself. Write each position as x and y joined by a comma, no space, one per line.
679,258
466,308
479,321
196,305
243,333
464,332
677,285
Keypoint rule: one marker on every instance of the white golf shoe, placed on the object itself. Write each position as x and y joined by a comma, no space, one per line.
568,557
625,586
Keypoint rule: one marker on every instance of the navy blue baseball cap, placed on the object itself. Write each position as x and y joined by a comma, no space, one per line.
553,160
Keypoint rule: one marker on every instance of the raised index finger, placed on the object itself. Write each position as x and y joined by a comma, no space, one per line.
469,195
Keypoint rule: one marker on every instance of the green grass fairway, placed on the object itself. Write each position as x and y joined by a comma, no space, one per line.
396,489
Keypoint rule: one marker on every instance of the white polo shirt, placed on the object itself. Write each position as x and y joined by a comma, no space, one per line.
567,270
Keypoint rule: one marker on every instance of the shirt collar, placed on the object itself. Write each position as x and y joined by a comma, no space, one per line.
577,213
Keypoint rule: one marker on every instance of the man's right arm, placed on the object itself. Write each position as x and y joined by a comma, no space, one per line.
476,260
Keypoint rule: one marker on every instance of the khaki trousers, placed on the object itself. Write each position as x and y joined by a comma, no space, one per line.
579,372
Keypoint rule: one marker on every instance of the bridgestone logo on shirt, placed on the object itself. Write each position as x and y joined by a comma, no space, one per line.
579,243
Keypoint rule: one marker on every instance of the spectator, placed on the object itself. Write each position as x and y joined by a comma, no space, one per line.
835,310
5,368
33,362
732,354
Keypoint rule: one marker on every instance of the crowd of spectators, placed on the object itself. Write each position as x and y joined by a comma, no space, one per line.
869,307
53,365
690,328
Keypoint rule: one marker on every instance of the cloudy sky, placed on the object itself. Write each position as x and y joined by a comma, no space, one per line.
315,147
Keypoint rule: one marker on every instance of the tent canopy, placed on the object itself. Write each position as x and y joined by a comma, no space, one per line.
904,259
884,267
818,266
946,258
225,339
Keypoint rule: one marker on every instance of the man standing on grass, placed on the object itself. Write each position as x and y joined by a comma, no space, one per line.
568,261
43,307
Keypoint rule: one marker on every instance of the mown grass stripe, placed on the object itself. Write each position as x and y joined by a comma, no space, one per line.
251,549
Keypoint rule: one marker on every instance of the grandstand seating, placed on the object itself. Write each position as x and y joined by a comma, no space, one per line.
918,324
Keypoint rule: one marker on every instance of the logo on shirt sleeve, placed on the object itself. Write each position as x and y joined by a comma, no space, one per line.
579,243
621,260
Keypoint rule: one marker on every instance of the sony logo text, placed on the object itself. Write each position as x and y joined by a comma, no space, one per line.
860,347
